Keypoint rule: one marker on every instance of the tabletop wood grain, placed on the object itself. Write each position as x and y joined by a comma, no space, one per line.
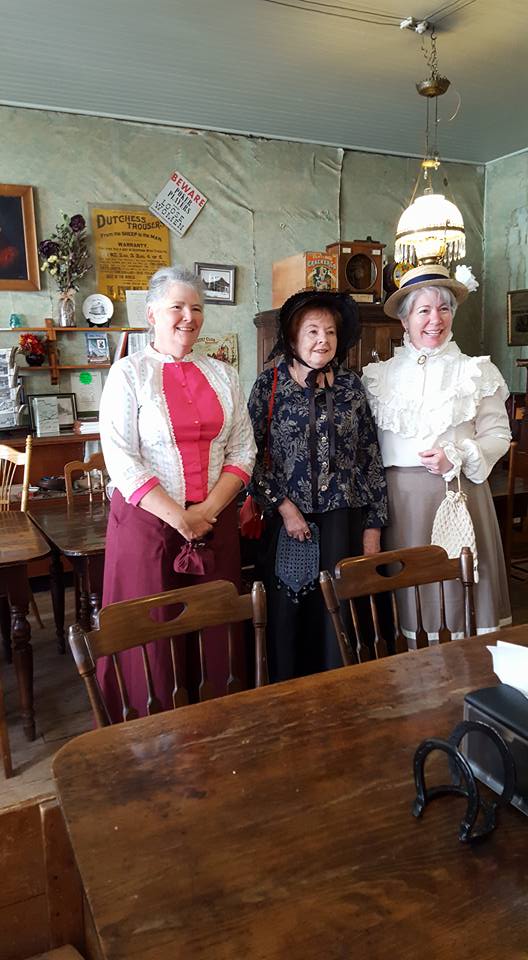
277,823
79,530
20,541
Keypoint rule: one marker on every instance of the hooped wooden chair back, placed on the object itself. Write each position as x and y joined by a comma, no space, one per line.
516,567
128,624
365,577
10,460
96,463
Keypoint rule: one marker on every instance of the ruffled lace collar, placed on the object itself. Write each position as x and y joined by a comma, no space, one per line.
428,352
414,397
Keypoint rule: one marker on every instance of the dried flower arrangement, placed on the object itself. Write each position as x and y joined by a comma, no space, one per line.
65,253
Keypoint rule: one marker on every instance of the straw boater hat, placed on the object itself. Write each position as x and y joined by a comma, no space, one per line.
429,275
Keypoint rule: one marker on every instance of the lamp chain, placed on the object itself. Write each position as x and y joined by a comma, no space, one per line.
431,57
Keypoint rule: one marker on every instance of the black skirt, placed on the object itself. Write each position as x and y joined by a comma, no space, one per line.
300,636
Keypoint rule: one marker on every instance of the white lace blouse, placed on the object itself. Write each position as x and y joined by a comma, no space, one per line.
439,398
136,431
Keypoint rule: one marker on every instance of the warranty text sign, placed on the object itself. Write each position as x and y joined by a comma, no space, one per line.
130,245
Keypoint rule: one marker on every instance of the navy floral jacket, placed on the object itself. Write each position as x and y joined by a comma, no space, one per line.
357,479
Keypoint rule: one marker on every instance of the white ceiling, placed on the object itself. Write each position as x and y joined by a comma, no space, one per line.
277,68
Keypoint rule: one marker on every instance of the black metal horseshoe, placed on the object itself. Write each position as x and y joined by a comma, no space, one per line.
424,794
508,763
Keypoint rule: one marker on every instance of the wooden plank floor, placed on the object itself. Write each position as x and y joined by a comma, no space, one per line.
61,706
61,709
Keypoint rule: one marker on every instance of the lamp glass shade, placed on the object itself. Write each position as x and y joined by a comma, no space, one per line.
431,230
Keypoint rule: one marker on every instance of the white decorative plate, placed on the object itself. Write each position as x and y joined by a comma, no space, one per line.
97,308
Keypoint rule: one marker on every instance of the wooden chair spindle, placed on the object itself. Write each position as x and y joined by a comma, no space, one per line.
153,704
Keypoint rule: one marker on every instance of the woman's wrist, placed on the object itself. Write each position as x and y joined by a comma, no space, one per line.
286,507
371,540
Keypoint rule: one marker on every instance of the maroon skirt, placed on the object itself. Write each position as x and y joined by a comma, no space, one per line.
140,554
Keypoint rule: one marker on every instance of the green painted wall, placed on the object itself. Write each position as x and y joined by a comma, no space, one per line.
506,258
267,200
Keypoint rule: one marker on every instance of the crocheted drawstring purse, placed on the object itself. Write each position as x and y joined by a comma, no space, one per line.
453,526
297,563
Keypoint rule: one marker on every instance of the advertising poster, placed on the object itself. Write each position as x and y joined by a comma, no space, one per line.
130,245
178,203
220,348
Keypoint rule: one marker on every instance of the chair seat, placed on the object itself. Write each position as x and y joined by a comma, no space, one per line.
61,953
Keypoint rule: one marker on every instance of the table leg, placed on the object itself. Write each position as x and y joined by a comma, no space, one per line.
18,592
95,566
5,749
57,598
5,627
81,568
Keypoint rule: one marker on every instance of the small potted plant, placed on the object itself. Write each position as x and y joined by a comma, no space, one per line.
65,256
33,348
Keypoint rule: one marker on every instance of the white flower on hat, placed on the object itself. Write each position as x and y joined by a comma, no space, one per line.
465,275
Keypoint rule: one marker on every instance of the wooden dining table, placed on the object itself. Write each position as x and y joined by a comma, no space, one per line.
276,823
77,532
20,543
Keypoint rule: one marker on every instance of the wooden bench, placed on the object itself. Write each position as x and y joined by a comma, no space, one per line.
41,897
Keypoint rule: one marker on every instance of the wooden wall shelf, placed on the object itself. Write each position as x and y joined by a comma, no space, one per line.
53,367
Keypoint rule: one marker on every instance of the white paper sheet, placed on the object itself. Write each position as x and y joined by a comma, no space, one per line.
510,663
87,387
136,302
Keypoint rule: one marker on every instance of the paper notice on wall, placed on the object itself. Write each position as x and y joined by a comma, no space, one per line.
130,245
178,203
136,304
87,387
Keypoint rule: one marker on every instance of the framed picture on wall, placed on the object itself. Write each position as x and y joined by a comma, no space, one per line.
218,280
66,408
517,313
19,266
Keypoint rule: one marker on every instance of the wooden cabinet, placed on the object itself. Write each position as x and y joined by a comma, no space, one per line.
49,454
379,337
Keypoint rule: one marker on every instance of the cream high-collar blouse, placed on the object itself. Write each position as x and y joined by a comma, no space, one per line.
439,397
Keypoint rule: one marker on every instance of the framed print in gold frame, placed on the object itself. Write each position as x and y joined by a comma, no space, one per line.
19,266
517,313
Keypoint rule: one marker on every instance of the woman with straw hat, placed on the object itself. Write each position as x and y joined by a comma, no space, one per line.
440,415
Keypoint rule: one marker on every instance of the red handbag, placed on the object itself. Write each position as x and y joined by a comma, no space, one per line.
251,517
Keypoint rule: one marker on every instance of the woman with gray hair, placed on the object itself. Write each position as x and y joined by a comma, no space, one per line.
178,446
440,415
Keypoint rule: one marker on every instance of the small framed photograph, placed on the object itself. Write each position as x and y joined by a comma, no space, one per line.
19,266
517,312
66,408
218,280
97,348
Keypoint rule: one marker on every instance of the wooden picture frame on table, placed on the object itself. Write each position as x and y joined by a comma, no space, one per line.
219,282
67,409
517,316
19,266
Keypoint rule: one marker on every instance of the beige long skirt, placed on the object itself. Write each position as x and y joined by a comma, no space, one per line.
414,497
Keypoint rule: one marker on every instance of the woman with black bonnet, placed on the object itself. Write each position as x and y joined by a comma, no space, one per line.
318,475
